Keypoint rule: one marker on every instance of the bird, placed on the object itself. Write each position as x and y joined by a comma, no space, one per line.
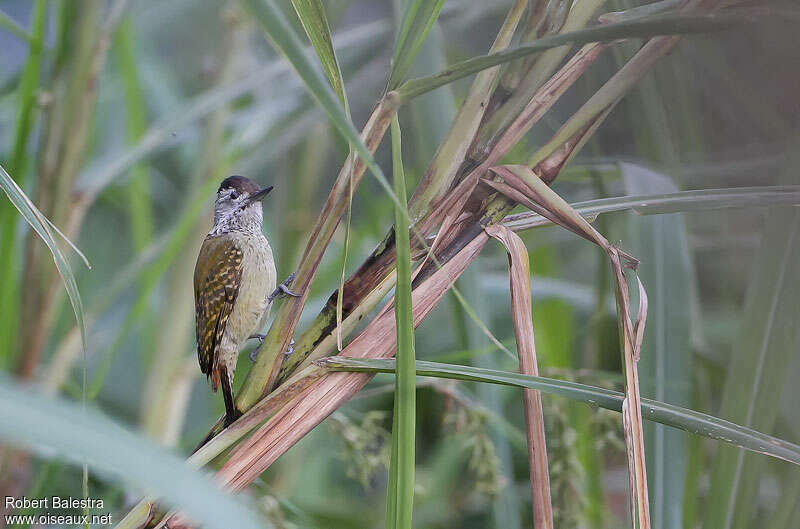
234,284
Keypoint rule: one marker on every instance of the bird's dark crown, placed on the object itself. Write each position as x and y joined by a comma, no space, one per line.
241,184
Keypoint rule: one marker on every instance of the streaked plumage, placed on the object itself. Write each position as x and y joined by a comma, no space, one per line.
233,278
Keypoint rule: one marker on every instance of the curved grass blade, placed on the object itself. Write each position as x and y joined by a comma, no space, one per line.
42,227
661,412
664,24
417,22
29,419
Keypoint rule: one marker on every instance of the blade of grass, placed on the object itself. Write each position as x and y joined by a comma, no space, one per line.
665,24
402,473
312,15
41,225
9,24
283,37
697,200
417,22
685,419
519,274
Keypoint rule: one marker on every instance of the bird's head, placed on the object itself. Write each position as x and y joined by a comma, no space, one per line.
238,203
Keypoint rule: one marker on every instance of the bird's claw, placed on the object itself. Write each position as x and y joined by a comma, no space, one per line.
291,348
254,353
283,289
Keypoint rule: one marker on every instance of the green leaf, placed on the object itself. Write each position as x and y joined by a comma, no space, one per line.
665,24
661,412
699,200
665,367
29,419
401,473
312,15
283,37
417,22
765,345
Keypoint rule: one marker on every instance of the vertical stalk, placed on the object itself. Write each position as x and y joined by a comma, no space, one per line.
9,250
405,381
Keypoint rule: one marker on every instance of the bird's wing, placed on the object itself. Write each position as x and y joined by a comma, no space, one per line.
217,276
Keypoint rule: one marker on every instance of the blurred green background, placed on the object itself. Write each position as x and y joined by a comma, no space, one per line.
190,91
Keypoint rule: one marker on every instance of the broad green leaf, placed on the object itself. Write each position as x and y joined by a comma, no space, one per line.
401,472
418,19
665,24
665,365
766,343
661,412
64,430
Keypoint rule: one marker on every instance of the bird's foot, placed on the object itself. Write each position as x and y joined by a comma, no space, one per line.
254,352
283,289
259,337
291,348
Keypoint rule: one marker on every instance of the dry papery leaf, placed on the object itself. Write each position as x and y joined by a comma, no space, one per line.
521,179
519,278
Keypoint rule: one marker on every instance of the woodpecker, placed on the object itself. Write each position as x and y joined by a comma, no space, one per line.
234,283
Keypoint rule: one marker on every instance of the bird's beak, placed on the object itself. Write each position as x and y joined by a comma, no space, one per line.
258,197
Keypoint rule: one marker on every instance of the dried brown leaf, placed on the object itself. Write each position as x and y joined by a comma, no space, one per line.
519,278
